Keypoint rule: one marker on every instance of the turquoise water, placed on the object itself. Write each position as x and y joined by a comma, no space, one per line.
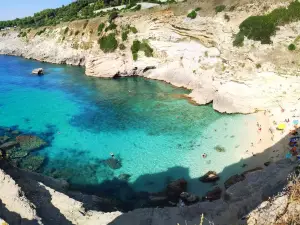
157,134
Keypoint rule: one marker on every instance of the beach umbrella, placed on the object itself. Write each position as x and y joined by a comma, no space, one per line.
295,122
281,126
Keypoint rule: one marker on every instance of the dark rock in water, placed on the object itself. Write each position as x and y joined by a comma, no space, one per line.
4,139
114,163
215,194
219,148
233,180
210,176
175,188
267,163
9,145
124,177
189,198
30,142
38,71
32,163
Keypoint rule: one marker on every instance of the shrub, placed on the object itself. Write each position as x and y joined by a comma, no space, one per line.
40,32
66,30
147,49
239,40
131,5
108,43
220,8
122,46
82,33
113,16
137,8
91,31
85,24
292,47
101,27
111,26
77,32
192,14
198,9
226,17
135,56
258,65
261,28
125,35
133,30
136,45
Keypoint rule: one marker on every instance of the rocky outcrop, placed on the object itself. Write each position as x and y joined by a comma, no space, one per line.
38,71
210,176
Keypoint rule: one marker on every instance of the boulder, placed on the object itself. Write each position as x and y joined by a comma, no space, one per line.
189,198
233,180
30,142
124,177
9,145
175,188
213,195
114,163
210,176
38,71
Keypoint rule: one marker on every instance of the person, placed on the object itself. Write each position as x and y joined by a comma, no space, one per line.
112,154
204,155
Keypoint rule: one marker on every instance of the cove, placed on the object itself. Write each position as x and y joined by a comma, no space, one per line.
155,132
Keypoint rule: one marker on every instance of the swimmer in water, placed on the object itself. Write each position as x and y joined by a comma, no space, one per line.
204,155
112,155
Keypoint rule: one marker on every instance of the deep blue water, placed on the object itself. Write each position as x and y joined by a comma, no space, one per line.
157,134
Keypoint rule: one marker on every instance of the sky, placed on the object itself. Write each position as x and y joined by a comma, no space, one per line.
11,9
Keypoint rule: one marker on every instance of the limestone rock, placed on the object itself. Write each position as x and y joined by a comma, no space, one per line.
175,188
189,198
210,176
38,71
213,195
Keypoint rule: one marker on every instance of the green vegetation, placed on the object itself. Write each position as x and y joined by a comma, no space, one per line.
79,9
192,14
125,35
261,28
220,8
137,8
77,32
113,16
122,46
239,40
101,27
198,9
292,47
141,46
22,34
258,65
66,30
108,43
133,30
111,26
40,32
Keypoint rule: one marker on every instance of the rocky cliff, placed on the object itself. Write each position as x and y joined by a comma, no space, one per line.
197,54
29,198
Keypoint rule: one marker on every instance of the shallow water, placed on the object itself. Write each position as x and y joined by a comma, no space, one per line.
157,134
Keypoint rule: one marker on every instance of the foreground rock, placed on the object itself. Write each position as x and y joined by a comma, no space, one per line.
38,71
213,195
210,176
175,188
